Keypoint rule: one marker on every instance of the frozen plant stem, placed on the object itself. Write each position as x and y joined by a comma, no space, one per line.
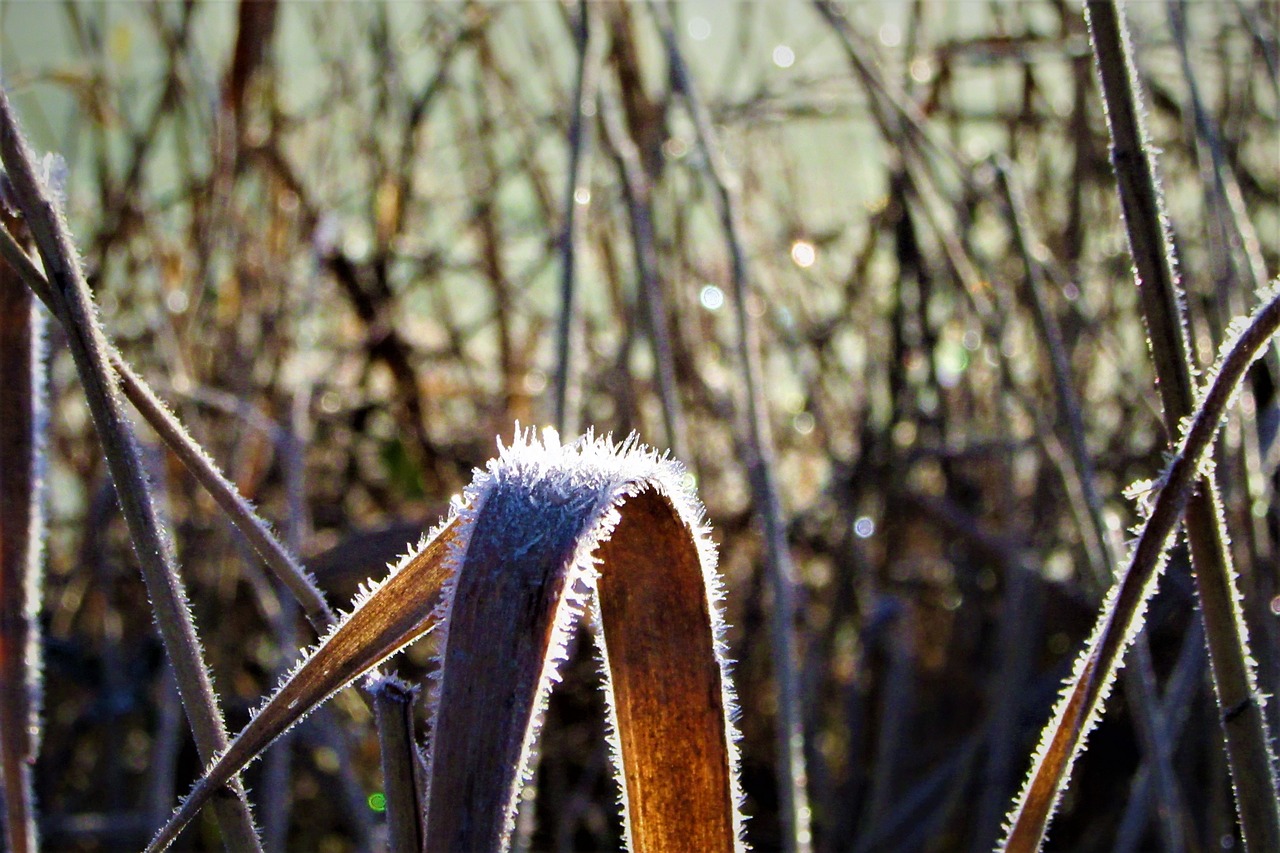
22,532
547,530
1122,613
793,794
1249,754
393,706
74,309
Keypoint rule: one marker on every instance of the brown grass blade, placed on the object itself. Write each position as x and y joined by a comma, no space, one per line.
552,524
385,620
1123,610
670,716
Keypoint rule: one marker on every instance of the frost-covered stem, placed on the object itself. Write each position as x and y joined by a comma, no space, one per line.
74,309
1249,752
1150,243
589,38
279,558
1139,679
206,472
22,532
792,779
1121,617
393,705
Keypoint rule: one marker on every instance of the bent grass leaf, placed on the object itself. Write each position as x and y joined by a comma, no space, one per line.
1122,613
547,532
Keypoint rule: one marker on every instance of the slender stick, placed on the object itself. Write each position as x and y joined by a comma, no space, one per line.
589,35
792,779
638,190
1121,616
74,308
1248,743
22,534
393,704
1176,706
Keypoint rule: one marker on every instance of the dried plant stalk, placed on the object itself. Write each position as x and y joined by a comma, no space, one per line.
22,462
1122,613
1249,754
589,35
545,530
393,702
73,307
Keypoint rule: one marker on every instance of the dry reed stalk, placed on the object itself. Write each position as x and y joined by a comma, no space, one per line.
22,463
1122,613
393,702
637,191
1249,752
590,37
74,309
545,531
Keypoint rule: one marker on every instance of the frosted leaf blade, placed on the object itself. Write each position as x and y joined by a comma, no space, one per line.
398,612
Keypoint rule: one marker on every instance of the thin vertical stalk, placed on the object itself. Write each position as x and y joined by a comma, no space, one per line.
589,35
793,794
1175,706
638,191
163,760
74,308
22,532
1244,725
393,705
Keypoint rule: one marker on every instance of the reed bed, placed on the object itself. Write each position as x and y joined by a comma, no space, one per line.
951,316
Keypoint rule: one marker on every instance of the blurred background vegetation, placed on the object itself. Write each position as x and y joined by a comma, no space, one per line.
334,234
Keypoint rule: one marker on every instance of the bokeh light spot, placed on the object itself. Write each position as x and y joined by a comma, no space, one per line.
803,254
711,297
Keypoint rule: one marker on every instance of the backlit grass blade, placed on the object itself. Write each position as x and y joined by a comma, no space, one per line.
553,525
384,621
546,530
677,763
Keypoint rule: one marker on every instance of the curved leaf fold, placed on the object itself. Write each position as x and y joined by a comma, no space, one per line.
547,531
